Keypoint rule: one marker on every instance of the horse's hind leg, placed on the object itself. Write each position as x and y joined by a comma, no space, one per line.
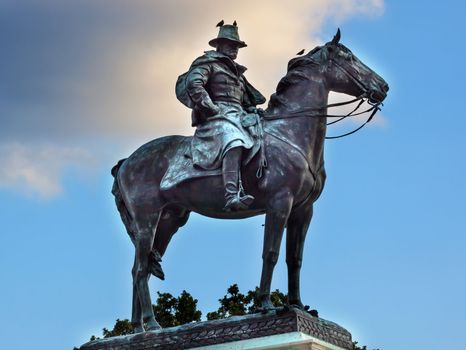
136,316
297,226
168,224
171,220
145,227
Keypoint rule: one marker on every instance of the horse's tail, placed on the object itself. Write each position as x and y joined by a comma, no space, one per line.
121,206
154,257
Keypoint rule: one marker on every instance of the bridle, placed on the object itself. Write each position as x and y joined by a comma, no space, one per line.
366,96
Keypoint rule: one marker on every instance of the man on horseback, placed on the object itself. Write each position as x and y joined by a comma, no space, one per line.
220,96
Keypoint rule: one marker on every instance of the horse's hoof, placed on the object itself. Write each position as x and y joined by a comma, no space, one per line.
154,264
297,304
266,304
313,312
156,269
138,329
300,306
266,308
153,326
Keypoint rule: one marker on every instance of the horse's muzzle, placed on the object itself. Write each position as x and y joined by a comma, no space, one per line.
378,95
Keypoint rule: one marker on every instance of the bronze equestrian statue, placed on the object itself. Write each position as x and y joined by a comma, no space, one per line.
158,185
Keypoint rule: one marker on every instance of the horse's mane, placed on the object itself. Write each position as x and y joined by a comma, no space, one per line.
297,71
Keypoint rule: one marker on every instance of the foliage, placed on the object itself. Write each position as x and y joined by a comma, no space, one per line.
356,347
186,311
278,298
164,309
232,304
121,327
237,304
169,311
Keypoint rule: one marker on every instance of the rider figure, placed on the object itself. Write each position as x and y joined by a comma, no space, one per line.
219,94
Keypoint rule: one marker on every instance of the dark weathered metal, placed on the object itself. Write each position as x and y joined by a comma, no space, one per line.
217,90
153,210
229,330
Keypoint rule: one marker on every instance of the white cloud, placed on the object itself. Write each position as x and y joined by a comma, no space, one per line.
107,70
273,30
37,169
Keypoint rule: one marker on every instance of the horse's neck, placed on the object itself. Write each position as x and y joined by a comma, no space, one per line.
305,132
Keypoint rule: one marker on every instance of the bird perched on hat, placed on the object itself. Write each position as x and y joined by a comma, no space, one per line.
227,32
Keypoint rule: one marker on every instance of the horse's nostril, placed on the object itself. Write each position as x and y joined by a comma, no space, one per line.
385,87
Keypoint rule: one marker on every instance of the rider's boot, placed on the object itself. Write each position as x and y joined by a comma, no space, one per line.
236,199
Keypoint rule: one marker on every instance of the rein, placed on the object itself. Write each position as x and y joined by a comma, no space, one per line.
374,109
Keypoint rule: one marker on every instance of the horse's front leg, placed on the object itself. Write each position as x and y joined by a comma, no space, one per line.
297,226
277,212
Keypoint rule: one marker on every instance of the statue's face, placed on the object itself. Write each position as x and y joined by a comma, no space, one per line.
228,48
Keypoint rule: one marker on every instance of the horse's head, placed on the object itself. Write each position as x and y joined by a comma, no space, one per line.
345,73
331,67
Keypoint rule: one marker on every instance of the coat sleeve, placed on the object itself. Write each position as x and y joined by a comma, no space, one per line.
195,85
252,96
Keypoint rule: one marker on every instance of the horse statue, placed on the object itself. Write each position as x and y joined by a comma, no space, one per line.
294,130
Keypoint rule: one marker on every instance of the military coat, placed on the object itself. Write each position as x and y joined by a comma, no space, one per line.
220,95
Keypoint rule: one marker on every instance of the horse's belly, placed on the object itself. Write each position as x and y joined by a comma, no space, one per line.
229,215
206,196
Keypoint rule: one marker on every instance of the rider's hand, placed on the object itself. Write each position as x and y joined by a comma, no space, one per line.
253,109
208,109
215,110
211,108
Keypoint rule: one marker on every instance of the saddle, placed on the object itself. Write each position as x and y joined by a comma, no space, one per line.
182,168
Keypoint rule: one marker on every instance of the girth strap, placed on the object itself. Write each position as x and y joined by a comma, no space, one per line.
313,172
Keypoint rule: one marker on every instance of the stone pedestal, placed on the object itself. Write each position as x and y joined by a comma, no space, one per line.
287,329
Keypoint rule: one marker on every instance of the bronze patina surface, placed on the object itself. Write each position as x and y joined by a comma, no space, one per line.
283,188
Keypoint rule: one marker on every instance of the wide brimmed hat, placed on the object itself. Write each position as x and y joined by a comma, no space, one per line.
227,32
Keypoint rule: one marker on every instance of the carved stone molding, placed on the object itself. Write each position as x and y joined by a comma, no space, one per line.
232,329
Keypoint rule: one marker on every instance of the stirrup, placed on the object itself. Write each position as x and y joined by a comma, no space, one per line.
238,202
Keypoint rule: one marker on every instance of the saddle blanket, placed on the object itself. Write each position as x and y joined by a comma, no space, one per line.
181,167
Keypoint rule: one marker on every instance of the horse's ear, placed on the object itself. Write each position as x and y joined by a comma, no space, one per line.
336,38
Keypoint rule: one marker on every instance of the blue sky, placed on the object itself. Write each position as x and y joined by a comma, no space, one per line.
84,83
